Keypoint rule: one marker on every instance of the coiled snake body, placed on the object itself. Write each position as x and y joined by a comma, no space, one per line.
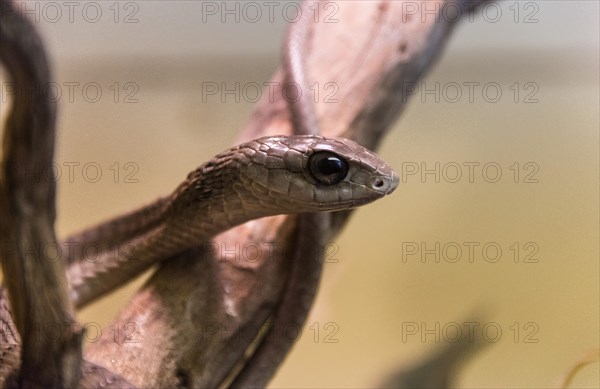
268,176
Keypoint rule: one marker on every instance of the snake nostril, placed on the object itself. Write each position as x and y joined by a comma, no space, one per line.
378,183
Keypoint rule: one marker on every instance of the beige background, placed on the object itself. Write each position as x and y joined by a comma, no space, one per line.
372,292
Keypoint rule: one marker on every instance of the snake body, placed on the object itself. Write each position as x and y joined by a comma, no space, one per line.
268,176
265,177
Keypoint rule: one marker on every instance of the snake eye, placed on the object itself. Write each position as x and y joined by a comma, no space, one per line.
327,168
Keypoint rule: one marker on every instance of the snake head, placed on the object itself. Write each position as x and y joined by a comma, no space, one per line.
313,173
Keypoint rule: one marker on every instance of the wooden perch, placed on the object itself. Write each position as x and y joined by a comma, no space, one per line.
206,319
194,316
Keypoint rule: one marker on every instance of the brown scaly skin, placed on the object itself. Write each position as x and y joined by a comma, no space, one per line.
272,179
264,177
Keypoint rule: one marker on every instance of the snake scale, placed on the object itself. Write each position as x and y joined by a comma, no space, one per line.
264,177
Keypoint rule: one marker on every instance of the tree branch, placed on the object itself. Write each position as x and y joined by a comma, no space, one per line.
198,317
204,319
36,284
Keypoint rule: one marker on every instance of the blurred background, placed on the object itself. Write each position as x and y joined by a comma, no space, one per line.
495,220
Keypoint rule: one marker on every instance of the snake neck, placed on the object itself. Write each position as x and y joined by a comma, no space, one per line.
215,197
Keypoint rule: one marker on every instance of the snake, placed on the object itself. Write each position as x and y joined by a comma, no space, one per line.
297,174
264,177
282,174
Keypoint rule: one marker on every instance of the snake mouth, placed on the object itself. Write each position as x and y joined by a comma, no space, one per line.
341,205
375,189
358,203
